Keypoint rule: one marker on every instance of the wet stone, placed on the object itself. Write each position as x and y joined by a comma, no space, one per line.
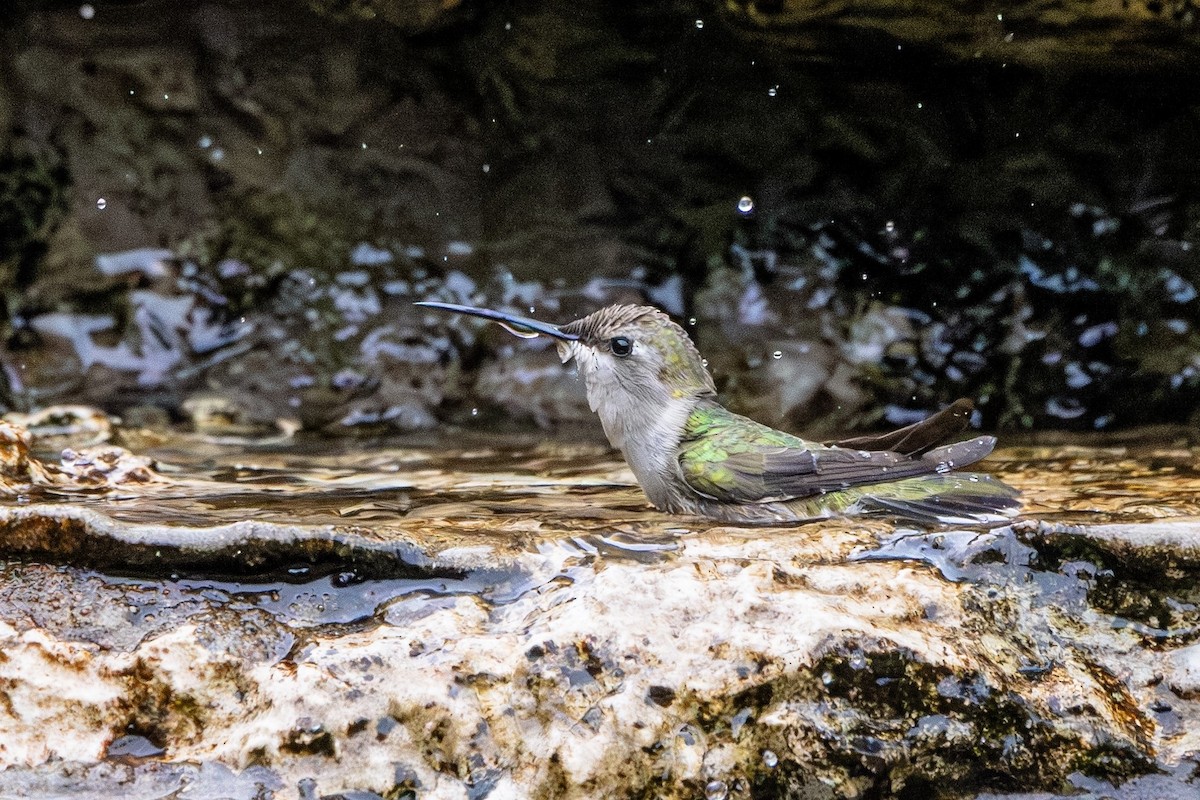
488,633
132,748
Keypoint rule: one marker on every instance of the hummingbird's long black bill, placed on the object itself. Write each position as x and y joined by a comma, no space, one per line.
517,326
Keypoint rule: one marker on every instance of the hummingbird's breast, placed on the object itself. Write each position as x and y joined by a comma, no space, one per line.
651,448
643,419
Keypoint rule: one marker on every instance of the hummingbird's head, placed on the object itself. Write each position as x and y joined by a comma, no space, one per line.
640,368
635,356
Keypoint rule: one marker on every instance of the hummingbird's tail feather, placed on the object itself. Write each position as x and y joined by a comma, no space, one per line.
958,499
920,437
960,454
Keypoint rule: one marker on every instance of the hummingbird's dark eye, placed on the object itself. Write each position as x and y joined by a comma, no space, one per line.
621,346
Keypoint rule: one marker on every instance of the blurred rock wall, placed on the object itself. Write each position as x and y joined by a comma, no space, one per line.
224,211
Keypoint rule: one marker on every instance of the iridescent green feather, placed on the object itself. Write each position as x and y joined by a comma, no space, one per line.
732,459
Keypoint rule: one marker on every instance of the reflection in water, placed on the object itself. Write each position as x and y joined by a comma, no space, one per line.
326,537
314,534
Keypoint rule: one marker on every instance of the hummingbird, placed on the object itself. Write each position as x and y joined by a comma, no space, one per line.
658,405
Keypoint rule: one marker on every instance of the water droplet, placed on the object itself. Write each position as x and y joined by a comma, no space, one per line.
778,354
774,90
827,678
474,412
770,759
889,226
364,145
508,26
204,142
259,149
920,105
691,320
101,203
519,332
716,790
745,205
699,23
487,168
704,362
87,11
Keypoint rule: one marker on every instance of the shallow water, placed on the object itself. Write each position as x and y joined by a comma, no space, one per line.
409,521
492,517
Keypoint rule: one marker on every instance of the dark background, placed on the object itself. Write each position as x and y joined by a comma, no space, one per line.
977,201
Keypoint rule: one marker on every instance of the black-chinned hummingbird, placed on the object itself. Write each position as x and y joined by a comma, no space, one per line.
658,405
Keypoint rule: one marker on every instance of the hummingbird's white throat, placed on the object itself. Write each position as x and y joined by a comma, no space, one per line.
641,416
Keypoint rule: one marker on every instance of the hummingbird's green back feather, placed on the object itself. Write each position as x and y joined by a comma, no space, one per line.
733,460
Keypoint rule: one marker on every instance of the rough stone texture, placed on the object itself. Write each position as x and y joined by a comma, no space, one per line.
631,676
541,633
1077,34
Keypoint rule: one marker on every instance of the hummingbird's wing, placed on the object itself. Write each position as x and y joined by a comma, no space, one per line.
733,459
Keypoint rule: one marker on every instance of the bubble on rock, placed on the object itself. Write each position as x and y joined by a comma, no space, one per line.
87,11
778,354
716,790
745,205
132,747
774,90
101,204
699,23
889,226
770,759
